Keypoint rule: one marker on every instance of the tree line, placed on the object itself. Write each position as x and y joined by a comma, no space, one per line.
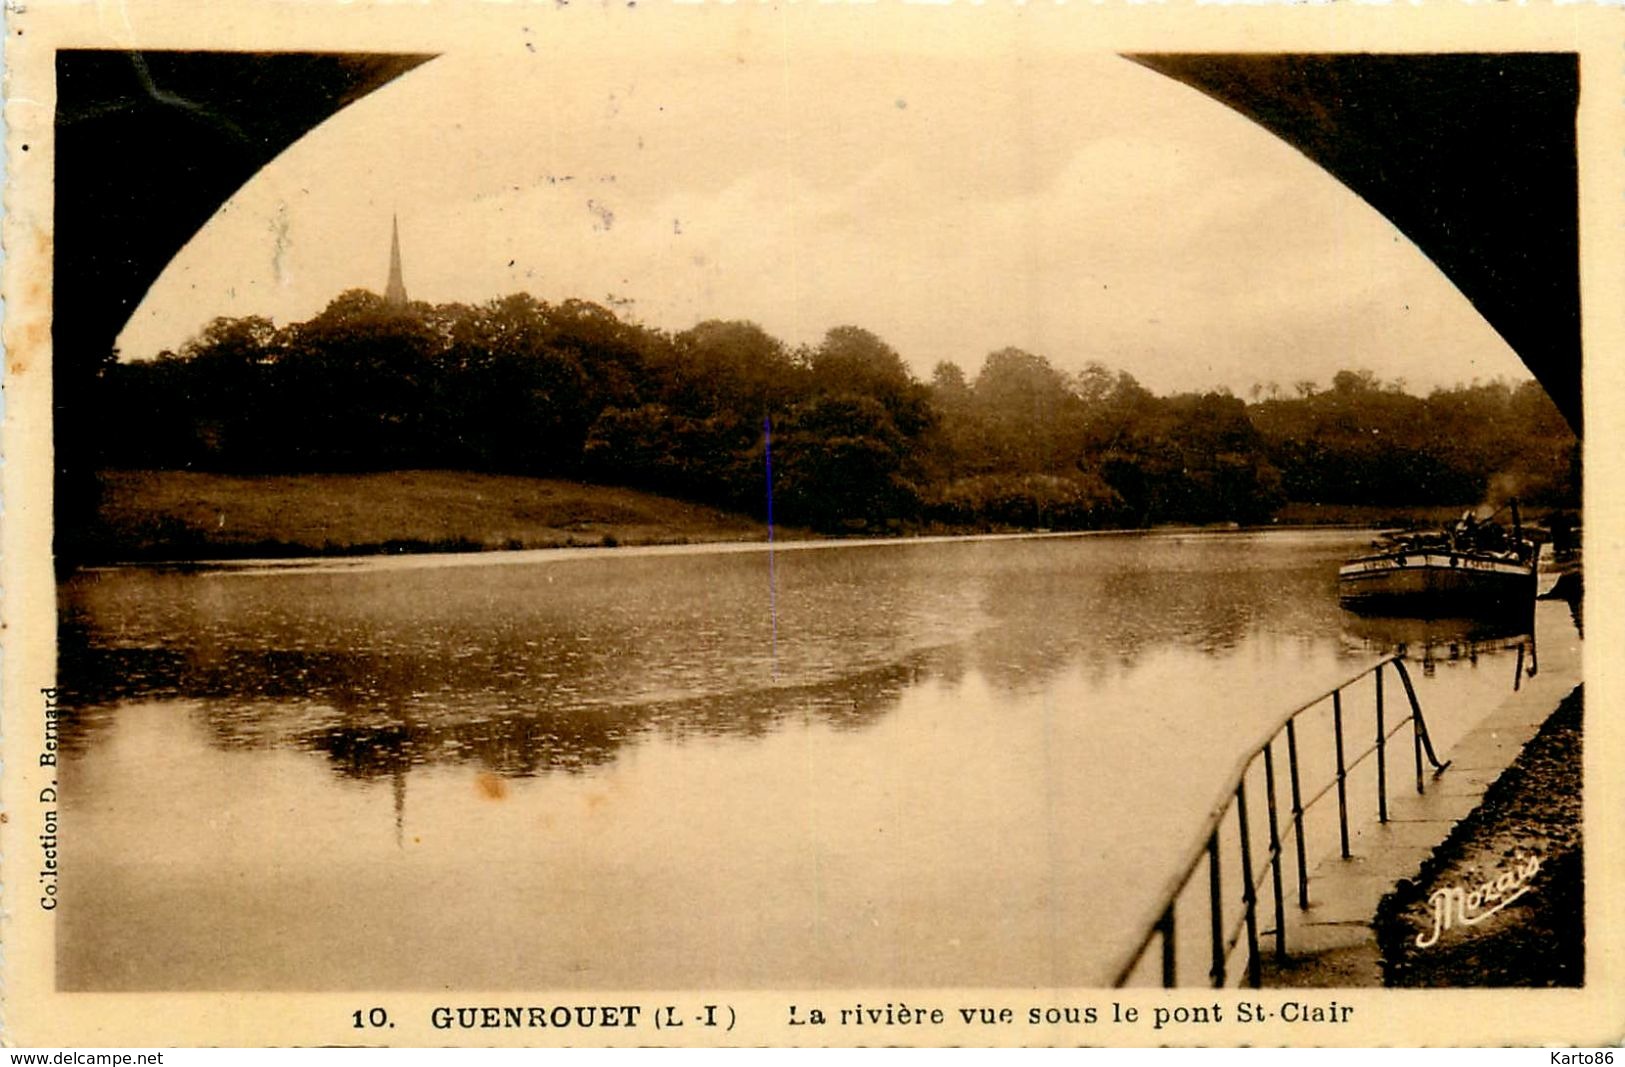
854,439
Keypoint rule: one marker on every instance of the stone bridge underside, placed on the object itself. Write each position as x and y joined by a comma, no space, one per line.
1471,156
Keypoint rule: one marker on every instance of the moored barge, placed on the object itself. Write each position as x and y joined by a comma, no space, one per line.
1470,567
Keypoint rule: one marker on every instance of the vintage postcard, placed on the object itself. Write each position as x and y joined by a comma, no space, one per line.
707,523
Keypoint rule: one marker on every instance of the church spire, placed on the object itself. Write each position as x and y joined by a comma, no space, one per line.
395,291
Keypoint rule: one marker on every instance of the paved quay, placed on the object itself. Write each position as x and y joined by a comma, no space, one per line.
1333,943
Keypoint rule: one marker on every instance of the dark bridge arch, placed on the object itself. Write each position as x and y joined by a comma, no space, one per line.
1472,156
148,146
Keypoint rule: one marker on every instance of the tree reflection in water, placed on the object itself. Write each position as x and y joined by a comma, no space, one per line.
530,670
373,717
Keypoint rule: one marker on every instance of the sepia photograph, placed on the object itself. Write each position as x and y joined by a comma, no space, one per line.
710,525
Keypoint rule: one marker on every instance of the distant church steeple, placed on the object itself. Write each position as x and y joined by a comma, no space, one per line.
395,291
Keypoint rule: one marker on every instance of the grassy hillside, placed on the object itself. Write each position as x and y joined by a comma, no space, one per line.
156,515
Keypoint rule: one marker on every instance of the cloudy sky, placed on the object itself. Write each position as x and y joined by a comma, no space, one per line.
1078,206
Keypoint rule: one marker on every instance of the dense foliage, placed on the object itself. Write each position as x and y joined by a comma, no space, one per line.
856,440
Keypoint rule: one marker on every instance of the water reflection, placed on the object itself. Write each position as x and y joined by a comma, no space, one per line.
1429,641
525,744
524,671
530,670
371,720
951,767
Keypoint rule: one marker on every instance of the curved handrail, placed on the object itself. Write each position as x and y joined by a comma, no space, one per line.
1158,920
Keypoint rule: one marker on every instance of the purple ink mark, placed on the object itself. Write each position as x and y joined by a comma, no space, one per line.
772,573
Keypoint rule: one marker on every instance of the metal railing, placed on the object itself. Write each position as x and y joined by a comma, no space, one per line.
1208,848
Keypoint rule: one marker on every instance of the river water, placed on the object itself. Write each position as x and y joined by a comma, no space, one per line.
953,763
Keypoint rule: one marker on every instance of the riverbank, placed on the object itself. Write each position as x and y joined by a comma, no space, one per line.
168,516
183,515
1381,516
1532,810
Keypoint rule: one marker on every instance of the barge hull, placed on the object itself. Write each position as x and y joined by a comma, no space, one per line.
1437,584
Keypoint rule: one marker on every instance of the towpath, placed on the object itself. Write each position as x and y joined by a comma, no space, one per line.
1334,943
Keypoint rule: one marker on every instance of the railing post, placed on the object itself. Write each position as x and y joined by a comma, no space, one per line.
1416,716
1416,747
1215,909
1297,812
1165,927
1382,756
1342,772
1249,895
1517,673
1275,851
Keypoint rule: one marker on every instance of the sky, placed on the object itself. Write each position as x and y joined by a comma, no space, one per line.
953,202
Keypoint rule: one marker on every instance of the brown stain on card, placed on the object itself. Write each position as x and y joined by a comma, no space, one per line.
490,786
600,803
32,335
